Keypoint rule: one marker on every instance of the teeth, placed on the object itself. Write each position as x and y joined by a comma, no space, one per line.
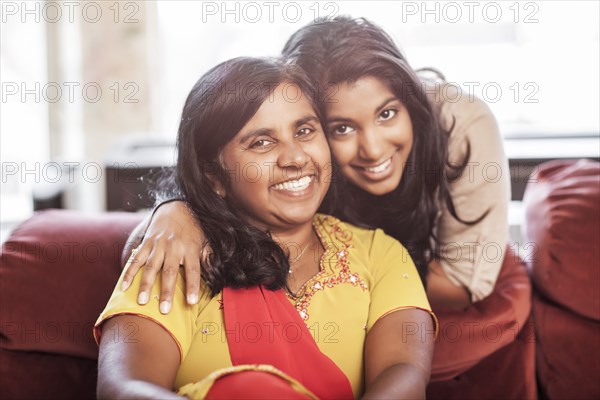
295,185
381,167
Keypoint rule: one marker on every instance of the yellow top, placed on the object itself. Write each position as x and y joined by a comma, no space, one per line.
364,275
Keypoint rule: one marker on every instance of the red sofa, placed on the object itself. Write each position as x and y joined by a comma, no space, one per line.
57,271
562,204
59,268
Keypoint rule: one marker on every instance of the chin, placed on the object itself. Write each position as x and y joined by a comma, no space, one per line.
297,219
298,216
380,191
379,188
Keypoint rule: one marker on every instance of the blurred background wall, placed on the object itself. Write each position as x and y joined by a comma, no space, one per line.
83,80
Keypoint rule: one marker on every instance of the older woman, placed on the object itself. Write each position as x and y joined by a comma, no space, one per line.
305,303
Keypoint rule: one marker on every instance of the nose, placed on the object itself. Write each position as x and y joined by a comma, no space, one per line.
293,155
371,145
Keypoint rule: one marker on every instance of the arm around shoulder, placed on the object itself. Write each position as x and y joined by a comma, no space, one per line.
172,238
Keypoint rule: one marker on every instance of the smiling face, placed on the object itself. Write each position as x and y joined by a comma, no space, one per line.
370,134
279,163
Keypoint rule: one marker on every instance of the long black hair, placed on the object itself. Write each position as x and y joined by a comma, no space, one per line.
340,50
218,106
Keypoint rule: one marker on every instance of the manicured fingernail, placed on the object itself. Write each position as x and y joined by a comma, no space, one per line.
192,298
165,306
143,298
124,285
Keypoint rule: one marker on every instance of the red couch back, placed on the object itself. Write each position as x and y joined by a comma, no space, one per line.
57,273
562,204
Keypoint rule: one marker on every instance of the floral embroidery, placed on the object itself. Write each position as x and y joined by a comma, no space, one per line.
340,272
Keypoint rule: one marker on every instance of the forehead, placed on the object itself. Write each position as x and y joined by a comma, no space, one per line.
285,105
365,94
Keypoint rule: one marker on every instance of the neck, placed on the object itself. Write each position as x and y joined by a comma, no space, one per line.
295,239
305,250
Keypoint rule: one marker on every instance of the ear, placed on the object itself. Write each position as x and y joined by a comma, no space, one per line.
215,176
219,189
217,185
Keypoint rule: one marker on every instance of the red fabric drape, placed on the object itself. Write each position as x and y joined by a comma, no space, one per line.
263,327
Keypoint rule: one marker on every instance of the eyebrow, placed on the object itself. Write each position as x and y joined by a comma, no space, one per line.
267,131
305,119
255,133
385,103
377,110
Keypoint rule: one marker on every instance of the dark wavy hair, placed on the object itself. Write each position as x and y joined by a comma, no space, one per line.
218,106
340,50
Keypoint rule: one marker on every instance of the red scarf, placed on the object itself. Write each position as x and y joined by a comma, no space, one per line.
263,327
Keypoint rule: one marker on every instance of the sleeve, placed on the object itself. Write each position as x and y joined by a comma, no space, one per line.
395,283
179,323
472,255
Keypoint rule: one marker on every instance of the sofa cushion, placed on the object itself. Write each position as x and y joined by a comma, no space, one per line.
567,352
562,208
467,337
508,373
29,375
57,272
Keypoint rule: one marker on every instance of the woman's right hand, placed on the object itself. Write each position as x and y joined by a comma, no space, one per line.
173,239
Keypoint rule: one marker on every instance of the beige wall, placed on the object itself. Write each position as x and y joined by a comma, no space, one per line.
113,50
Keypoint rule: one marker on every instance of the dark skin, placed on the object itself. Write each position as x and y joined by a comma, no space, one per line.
174,238
397,360
147,365
398,365
144,366
444,295
151,258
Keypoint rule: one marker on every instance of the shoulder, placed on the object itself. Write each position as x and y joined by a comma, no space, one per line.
469,119
454,100
459,108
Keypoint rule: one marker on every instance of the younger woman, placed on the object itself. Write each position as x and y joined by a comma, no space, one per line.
345,316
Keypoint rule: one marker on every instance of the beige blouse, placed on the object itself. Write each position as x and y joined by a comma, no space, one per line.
472,255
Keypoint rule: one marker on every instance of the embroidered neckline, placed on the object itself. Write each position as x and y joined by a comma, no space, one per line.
342,265
302,291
